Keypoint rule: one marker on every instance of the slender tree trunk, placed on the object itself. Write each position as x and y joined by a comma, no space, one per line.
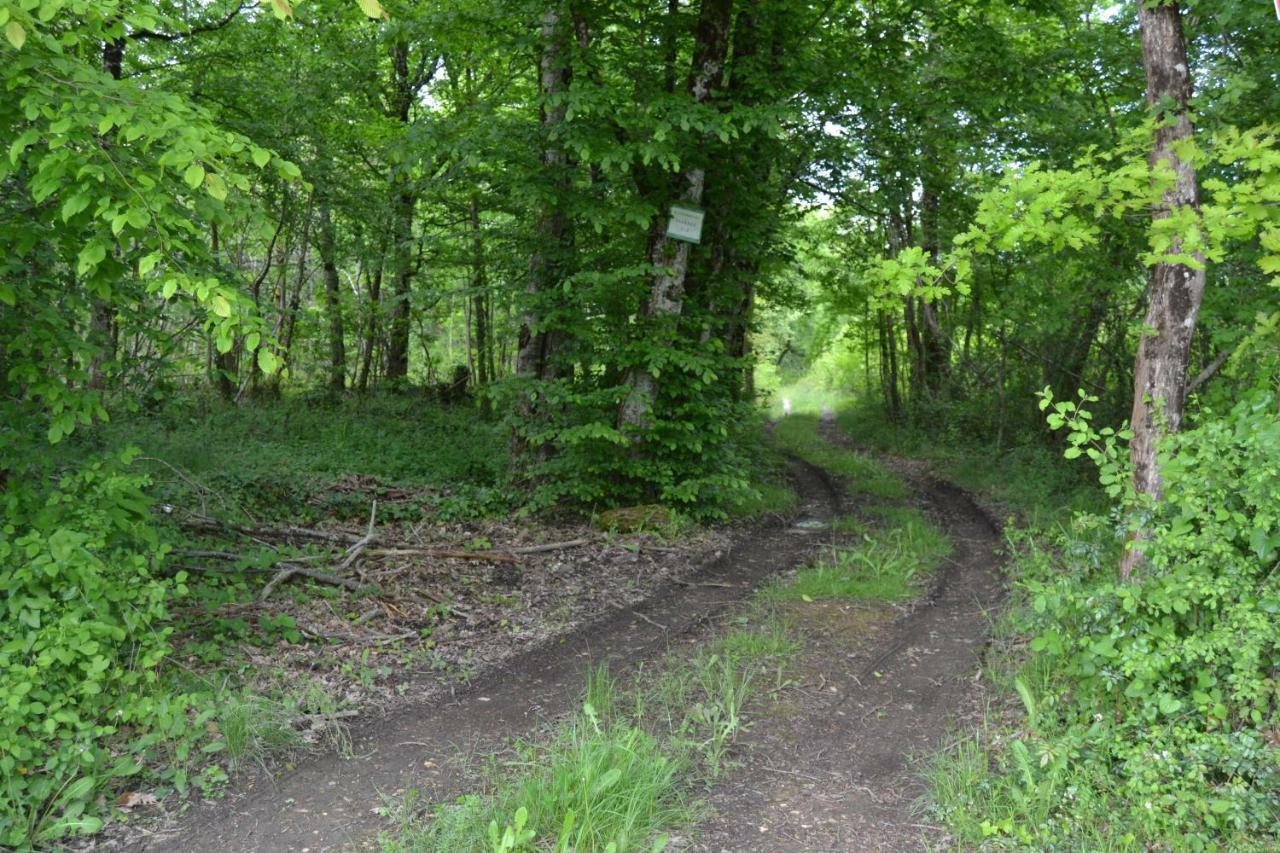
102,318
1176,289
935,354
403,204
289,322
666,294
402,262
370,337
333,300
480,300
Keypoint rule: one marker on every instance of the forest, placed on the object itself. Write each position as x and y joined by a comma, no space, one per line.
639,424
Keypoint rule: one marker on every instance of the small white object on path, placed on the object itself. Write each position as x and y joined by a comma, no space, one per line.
786,407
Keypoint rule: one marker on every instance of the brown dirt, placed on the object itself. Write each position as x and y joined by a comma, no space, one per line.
330,803
835,764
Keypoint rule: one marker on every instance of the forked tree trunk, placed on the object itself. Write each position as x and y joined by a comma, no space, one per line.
370,342
333,301
1176,289
666,294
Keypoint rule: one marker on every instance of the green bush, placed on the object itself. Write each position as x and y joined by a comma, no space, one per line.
78,643
1153,704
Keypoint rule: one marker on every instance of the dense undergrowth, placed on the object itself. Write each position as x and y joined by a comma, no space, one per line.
1129,715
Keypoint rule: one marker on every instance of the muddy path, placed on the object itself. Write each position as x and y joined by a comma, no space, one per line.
836,764
330,803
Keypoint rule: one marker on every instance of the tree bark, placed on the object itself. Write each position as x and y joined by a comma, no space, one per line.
666,294
553,246
1176,289
397,369
333,300
403,204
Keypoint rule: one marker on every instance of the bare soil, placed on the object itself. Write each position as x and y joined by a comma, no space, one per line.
835,763
330,802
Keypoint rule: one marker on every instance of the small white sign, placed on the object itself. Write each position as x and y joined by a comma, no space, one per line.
685,223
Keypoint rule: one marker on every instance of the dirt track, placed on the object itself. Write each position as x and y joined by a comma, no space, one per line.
829,767
834,767
330,803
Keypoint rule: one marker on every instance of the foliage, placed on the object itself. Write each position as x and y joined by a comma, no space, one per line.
1150,703
79,642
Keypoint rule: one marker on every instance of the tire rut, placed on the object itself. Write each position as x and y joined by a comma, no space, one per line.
329,803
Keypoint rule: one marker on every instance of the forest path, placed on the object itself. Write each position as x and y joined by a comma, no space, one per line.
329,803
832,766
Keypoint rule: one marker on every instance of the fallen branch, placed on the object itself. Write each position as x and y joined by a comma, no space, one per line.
491,556
551,546
353,553
292,569
213,525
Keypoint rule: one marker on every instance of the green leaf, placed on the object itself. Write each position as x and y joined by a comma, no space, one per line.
16,35
261,156
216,186
194,176
74,205
220,306
268,363
90,256
372,8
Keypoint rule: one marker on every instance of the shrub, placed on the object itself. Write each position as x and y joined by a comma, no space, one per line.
78,643
1155,701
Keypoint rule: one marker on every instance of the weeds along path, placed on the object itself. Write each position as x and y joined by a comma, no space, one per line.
330,803
837,763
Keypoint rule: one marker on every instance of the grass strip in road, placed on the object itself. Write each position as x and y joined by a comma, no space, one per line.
798,434
890,563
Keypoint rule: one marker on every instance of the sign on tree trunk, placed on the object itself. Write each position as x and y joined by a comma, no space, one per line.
685,223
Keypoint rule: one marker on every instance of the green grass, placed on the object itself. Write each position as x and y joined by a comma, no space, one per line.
889,564
1028,475
768,498
626,768
798,434
280,459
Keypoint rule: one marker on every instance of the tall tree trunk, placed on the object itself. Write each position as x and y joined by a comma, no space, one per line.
666,294
1176,289
480,299
102,319
333,300
289,320
935,353
403,203
553,245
